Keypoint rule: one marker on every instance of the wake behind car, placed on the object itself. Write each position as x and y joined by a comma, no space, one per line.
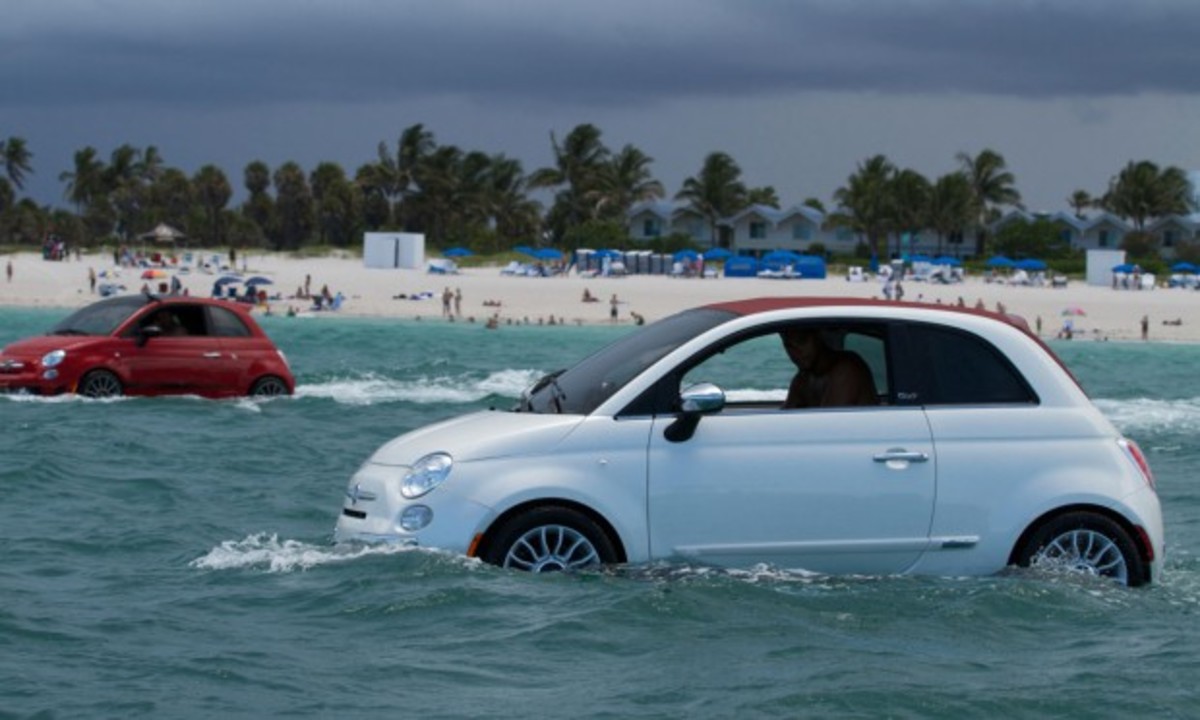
830,435
149,345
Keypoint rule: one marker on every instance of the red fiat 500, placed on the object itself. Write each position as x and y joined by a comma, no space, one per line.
149,345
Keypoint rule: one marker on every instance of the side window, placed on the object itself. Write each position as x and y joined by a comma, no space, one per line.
191,318
849,368
964,369
226,323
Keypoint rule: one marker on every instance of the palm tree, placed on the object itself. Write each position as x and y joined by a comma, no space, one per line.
87,181
910,196
16,160
397,174
213,192
514,215
865,202
1142,191
626,180
763,196
579,166
1079,201
294,206
716,192
991,186
951,208
259,208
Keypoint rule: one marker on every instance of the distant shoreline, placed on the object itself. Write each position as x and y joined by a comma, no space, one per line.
1109,314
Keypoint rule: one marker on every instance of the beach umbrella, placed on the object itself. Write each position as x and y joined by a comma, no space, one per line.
718,253
154,274
456,252
686,254
1030,264
1184,267
947,260
547,254
1073,310
999,261
1123,268
523,249
226,280
920,259
260,280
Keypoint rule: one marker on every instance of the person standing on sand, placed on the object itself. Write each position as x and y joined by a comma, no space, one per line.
8,270
458,301
447,298
613,303
92,278
1145,327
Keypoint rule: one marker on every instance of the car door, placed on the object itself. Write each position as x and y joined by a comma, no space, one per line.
839,490
182,363
241,350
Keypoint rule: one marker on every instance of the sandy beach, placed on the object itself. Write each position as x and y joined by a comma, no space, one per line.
1109,314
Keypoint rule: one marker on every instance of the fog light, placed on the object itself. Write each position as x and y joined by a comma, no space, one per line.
415,517
50,375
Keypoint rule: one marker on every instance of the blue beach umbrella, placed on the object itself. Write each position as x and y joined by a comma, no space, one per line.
999,261
456,252
1123,268
523,249
686,255
947,260
1184,267
607,254
1030,264
260,280
547,254
718,253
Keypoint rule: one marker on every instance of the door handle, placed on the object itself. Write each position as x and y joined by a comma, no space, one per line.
212,355
902,455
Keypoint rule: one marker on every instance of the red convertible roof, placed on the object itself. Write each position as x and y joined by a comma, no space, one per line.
752,306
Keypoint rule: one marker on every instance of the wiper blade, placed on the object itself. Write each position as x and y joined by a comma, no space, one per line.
69,331
551,381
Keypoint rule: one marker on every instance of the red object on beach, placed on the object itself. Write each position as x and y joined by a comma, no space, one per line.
150,345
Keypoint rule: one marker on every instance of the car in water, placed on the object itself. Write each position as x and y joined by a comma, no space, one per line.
149,345
972,450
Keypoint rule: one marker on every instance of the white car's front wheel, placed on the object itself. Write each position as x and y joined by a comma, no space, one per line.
550,539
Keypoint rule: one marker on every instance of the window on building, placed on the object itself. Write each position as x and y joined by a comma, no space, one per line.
1103,239
1169,237
651,227
758,230
801,231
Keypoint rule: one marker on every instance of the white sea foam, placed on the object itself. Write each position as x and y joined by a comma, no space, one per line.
373,389
283,556
1148,416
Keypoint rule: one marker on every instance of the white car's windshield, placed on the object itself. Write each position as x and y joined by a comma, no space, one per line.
581,388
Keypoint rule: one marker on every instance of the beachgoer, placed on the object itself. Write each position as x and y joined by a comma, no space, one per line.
168,324
307,285
825,377
1145,327
613,303
8,270
92,279
458,301
638,319
447,298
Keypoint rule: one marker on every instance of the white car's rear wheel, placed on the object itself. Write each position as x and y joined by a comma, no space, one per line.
1087,543
550,539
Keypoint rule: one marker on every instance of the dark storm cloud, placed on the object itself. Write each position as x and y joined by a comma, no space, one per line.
623,53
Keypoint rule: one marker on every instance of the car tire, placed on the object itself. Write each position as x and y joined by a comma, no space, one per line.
1087,543
269,386
550,539
100,384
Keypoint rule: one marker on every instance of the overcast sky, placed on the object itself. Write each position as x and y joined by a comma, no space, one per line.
799,92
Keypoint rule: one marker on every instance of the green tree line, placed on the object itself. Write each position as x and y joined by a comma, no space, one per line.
486,202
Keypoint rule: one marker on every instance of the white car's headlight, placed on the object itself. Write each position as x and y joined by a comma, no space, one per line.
53,358
426,474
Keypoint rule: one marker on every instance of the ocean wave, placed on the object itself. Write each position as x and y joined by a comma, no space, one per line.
1152,416
267,551
372,389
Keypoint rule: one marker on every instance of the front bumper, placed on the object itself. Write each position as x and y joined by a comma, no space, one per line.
373,506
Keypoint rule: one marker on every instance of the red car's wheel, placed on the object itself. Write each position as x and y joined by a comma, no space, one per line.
269,386
100,384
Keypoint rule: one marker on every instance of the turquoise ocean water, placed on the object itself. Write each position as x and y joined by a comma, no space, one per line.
172,558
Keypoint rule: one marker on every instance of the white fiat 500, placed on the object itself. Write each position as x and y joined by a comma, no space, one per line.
830,435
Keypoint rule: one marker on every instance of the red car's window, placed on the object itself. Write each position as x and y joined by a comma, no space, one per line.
226,323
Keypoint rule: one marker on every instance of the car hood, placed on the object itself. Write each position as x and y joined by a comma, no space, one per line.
35,347
480,436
